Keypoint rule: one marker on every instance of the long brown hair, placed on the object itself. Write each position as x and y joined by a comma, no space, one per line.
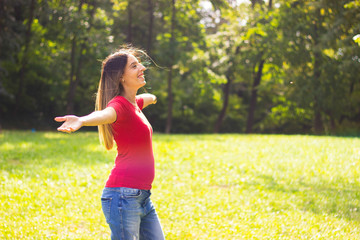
110,86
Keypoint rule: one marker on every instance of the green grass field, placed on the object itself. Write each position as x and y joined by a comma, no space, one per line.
206,186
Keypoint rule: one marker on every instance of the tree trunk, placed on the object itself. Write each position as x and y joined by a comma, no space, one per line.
170,76
2,18
225,105
75,83
254,2
72,84
352,84
256,83
332,121
318,122
71,91
226,90
75,74
129,33
150,28
25,58
253,98
170,103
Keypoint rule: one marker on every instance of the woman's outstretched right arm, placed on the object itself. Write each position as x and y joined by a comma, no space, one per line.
73,123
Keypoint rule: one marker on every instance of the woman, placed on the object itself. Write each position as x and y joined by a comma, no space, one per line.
126,197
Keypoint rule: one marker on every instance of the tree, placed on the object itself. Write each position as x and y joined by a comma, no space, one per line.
150,27
315,34
170,66
262,40
23,61
79,47
258,66
177,42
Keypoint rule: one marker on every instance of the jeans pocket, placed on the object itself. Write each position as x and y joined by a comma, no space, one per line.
106,206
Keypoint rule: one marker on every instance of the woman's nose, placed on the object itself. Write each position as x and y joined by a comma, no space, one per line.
143,68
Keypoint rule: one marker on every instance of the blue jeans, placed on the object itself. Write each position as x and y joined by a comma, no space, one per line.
131,214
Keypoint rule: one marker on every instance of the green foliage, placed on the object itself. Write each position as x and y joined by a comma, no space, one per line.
316,38
206,187
310,51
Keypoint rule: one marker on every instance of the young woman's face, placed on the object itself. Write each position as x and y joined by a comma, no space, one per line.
134,73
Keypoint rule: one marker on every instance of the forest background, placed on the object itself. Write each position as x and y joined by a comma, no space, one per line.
275,66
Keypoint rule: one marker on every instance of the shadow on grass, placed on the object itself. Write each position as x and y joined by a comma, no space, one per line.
341,201
26,150
26,153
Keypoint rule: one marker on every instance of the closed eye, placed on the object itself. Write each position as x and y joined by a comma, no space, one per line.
133,65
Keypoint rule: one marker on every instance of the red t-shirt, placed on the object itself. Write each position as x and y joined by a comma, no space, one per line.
134,163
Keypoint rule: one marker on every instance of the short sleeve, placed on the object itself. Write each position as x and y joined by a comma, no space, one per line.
140,102
117,104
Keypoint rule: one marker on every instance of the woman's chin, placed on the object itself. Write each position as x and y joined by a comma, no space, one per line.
141,79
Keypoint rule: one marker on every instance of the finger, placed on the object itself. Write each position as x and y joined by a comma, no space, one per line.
64,129
60,119
69,130
60,129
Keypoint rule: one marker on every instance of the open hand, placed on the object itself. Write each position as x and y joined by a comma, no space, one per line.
71,123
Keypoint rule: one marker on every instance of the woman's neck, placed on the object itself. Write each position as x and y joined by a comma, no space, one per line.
130,96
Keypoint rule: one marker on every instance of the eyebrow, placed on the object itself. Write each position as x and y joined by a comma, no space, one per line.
133,63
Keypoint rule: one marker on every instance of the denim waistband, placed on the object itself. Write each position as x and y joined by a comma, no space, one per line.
124,189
